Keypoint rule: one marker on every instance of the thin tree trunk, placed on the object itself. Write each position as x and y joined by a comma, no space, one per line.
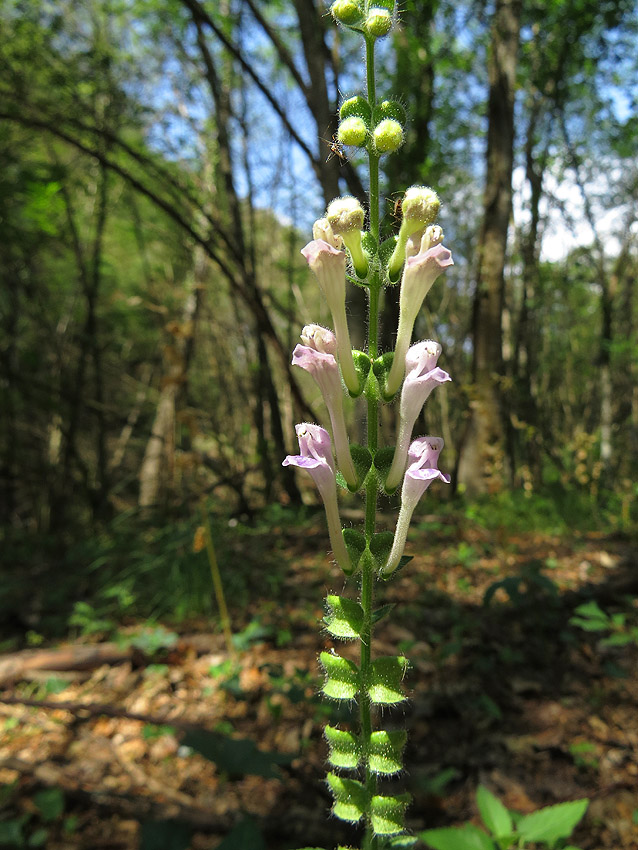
482,463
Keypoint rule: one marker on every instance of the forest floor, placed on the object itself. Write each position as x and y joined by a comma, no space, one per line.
507,694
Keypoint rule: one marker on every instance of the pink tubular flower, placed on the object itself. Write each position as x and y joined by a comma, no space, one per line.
419,274
323,368
422,376
423,458
329,267
319,338
316,458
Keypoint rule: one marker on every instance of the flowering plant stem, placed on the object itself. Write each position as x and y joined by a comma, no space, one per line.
367,577
340,243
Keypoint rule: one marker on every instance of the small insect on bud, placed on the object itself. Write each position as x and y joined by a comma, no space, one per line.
346,12
378,23
387,136
352,132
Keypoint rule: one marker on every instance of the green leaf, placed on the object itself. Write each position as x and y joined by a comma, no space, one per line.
382,612
235,756
495,816
165,835
589,625
362,460
342,676
362,364
345,750
38,837
387,814
466,837
355,544
50,803
245,834
385,752
401,841
386,674
383,461
380,547
552,822
350,797
592,611
344,618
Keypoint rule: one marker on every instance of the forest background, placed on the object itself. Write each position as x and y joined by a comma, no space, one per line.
162,166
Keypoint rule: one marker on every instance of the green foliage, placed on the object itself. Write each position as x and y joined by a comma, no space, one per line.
342,676
386,751
165,835
591,618
548,826
344,618
245,834
235,756
350,798
387,814
384,685
345,749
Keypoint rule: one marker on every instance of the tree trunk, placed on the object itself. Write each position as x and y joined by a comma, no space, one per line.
482,466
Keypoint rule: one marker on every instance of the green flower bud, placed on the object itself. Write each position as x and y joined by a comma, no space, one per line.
356,106
345,214
346,217
352,131
388,136
347,12
389,109
378,23
420,205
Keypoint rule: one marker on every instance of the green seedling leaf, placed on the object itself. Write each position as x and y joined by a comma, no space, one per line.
495,816
387,814
245,834
362,460
380,547
355,544
552,822
385,751
50,803
344,618
350,797
466,837
165,835
345,751
235,756
342,676
386,675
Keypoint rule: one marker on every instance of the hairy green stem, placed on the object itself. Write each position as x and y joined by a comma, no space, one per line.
368,578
